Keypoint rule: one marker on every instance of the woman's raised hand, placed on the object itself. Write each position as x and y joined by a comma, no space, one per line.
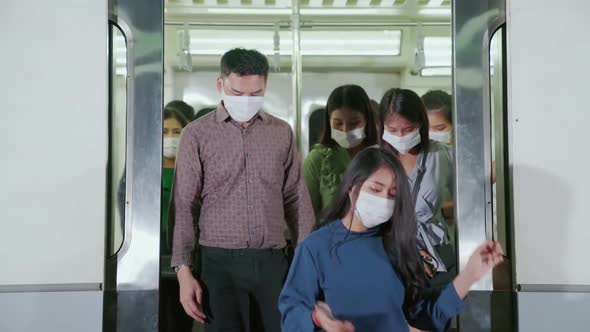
324,318
487,256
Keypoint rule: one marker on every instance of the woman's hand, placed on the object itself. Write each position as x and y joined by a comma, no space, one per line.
487,256
324,318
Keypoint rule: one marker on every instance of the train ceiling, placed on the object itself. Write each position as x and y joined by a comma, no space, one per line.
393,10
215,25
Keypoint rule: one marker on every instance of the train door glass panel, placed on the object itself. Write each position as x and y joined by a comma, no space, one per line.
502,302
117,137
498,141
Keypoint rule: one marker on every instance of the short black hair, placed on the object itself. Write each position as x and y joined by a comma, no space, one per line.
187,110
439,100
243,62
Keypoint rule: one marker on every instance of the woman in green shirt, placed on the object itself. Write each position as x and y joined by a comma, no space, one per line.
349,126
173,317
174,122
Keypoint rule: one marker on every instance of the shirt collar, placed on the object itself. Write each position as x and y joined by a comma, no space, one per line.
221,114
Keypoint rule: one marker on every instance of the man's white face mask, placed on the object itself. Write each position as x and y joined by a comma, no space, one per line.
242,108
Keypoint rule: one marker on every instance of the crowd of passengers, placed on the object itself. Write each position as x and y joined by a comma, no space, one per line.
369,213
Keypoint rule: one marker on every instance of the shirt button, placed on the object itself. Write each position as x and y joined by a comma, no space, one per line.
249,180
250,206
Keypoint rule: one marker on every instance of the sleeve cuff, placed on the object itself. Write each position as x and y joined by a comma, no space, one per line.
452,302
182,258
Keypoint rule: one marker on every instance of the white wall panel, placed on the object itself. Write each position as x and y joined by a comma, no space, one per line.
549,67
53,100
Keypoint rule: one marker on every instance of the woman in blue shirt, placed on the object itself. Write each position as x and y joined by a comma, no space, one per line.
361,270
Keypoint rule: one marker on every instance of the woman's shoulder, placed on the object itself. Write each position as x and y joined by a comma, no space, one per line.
440,150
321,153
319,239
436,146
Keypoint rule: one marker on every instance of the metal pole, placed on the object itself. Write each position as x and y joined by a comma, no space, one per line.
296,69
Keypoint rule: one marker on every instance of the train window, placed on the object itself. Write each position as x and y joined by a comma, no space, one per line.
218,41
359,42
436,71
117,137
501,229
437,56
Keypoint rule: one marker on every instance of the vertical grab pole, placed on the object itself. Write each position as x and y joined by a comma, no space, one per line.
296,69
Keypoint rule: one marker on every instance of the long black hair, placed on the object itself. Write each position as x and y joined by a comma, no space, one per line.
399,233
355,98
410,106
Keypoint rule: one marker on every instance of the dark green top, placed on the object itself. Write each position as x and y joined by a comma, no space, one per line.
323,169
167,179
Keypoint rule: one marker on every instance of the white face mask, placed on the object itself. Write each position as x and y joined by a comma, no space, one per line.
441,136
242,108
170,147
402,144
373,210
348,139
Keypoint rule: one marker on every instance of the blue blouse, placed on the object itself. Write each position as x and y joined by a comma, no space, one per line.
351,272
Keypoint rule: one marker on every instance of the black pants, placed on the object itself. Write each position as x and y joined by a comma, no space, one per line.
241,288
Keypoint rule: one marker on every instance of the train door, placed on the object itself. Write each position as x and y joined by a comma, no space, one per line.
171,52
135,44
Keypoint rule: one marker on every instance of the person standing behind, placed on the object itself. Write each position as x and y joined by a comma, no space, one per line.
439,107
349,127
238,172
172,318
429,168
180,105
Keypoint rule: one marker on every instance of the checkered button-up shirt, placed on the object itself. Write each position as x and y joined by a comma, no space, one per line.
241,184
